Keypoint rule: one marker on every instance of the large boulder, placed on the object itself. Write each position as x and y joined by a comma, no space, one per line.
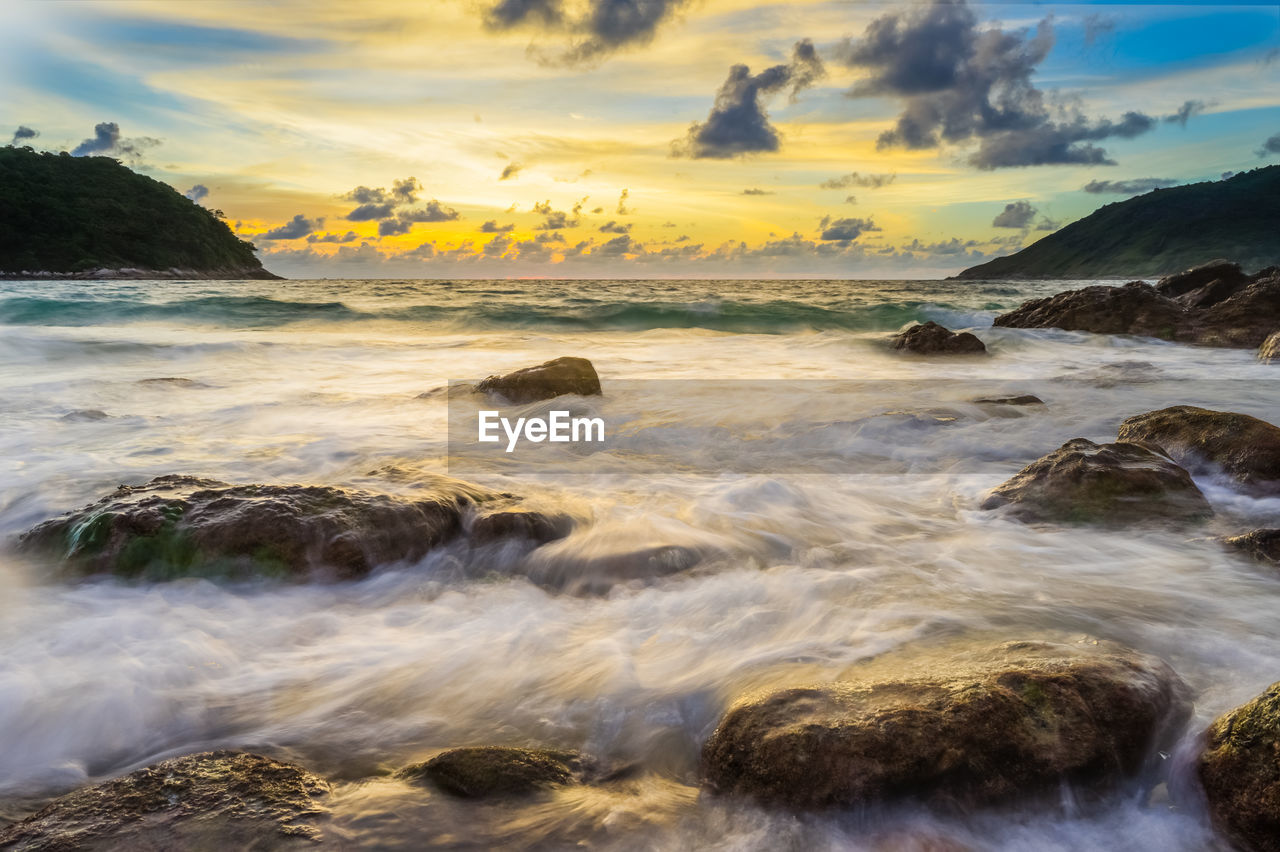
1204,283
484,772
178,526
1244,320
1205,441
1135,308
933,339
213,800
545,381
1015,721
1240,771
1112,484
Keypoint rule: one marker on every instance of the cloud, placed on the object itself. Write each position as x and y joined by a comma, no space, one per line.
756,191
107,142
856,179
619,246
492,227
1184,112
851,199
622,203
1136,186
554,220
612,227
296,228
844,229
23,133
390,207
1096,26
405,191
594,29
510,171
738,123
433,211
960,84
1271,146
348,237
367,212
366,195
1017,214
197,193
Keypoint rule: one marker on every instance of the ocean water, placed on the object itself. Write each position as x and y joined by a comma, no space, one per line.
853,533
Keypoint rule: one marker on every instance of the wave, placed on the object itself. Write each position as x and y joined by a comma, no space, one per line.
221,310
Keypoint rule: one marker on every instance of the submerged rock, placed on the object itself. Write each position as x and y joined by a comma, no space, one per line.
1269,351
1240,771
1084,482
492,771
933,339
1016,721
183,526
1262,545
545,381
213,800
1022,399
1204,441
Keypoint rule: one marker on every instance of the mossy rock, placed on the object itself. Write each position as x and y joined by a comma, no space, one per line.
1240,771
484,772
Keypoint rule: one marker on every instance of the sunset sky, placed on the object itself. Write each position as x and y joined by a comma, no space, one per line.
647,138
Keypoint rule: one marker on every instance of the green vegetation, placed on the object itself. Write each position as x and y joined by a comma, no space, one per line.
67,214
1159,233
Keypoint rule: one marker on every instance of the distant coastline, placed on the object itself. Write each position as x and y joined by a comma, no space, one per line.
134,274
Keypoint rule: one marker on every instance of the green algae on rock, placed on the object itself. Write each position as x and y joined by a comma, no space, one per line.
1240,771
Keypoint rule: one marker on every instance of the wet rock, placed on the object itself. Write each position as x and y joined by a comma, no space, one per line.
490,771
1240,771
1205,441
1269,351
1262,545
1221,276
1243,321
174,382
596,571
214,800
545,381
538,527
1023,399
1016,721
177,526
933,339
85,415
1135,308
1084,482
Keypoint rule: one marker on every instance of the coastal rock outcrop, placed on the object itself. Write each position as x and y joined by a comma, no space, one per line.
484,772
1269,351
1205,441
1135,308
1084,482
545,381
217,799
1011,722
176,526
1205,284
1240,772
932,339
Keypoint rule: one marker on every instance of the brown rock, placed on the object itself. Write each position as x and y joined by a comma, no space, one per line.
1016,721
1243,321
545,381
1023,399
1084,482
514,524
213,800
1135,308
490,771
1269,351
1262,545
1240,771
933,339
1199,277
1205,441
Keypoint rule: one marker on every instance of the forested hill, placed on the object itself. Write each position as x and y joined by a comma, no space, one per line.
1159,233
66,215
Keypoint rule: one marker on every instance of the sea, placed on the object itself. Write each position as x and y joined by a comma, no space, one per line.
846,529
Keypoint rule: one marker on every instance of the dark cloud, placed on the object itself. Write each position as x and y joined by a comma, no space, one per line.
1096,26
433,211
405,191
197,193
856,179
612,227
510,171
738,123
594,29
1184,112
368,212
622,203
492,227
619,246
296,228
1137,186
366,195
1017,214
348,237
1047,224
851,199
554,220
390,207
844,229
23,133
393,227
1271,146
959,83
756,191
107,142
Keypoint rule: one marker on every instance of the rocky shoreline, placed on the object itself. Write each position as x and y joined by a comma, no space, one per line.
256,273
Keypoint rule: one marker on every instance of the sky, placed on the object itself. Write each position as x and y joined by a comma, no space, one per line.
646,138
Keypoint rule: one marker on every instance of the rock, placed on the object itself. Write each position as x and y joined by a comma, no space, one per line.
538,527
1084,482
1240,771
933,339
1199,277
1024,399
1262,545
214,800
545,381
1204,441
490,771
1135,308
1016,721
85,415
1243,321
591,571
183,526
1269,351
